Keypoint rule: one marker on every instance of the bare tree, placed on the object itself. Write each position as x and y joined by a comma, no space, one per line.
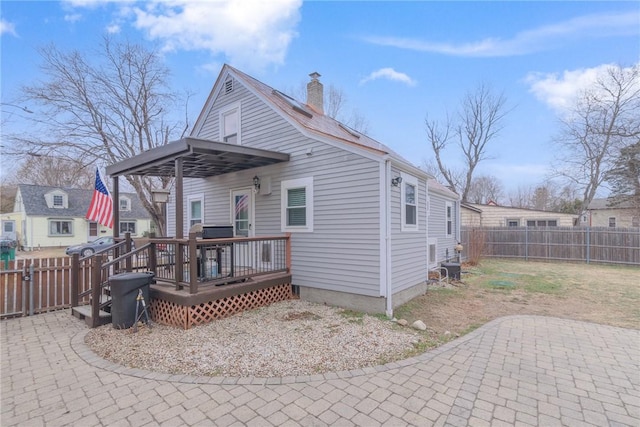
624,177
603,121
102,107
485,188
55,171
478,122
521,196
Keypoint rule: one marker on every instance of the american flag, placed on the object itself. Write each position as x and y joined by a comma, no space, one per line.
101,207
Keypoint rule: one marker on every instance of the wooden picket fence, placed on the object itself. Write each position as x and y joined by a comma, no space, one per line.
577,244
31,286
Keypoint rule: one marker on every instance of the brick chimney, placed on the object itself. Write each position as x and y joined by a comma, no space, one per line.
315,93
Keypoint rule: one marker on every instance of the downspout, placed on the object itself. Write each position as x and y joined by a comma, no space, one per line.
386,185
426,224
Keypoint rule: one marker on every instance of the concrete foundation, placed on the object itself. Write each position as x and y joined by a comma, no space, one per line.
366,304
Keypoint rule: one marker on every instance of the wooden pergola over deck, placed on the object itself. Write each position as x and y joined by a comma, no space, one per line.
189,158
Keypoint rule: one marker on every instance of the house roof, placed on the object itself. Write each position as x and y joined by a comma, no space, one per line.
609,204
314,121
442,189
306,117
78,201
495,206
471,207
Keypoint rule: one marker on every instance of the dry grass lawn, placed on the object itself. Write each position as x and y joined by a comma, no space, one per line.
608,295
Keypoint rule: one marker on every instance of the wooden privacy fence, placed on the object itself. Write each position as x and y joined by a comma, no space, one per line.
30,286
582,244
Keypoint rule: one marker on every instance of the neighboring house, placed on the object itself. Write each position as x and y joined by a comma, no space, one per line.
492,215
55,217
606,213
444,224
267,164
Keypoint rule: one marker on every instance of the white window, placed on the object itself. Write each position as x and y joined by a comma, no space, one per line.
125,204
297,204
58,201
230,124
449,218
513,223
542,223
409,202
612,221
59,227
195,210
128,227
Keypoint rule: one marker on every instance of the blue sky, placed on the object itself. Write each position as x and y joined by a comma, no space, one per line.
395,61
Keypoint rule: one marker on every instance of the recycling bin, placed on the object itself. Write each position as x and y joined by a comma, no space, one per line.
124,294
7,252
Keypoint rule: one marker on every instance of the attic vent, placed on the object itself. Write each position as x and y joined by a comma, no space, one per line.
349,130
297,106
228,86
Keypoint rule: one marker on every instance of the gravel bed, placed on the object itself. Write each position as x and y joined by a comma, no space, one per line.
284,339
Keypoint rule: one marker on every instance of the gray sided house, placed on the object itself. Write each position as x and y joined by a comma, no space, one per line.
356,211
48,217
444,224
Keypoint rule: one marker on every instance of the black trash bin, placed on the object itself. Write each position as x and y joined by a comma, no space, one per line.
124,294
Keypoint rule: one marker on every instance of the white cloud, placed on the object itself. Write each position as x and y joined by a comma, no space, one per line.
74,17
528,41
113,29
389,74
7,27
559,91
249,33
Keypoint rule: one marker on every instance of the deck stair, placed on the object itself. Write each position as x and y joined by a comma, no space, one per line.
83,312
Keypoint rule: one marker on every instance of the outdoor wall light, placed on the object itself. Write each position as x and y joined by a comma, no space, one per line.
256,183
396,181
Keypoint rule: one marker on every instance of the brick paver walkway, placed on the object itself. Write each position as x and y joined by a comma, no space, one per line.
520,370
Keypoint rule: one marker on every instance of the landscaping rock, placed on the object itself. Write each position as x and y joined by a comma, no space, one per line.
403,322
419,325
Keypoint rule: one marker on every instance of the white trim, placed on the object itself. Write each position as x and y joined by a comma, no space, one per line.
193,198
413,181
224,111
447,206
307,184
252,209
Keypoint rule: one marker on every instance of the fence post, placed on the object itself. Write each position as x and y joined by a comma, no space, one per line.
32,271
96,289
526,243
75,276
24,280
127,262
588,239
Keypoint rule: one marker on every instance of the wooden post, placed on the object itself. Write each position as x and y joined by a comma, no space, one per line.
288,252
96,289
75,279
153,259
193,264
127,245
179,199
178,264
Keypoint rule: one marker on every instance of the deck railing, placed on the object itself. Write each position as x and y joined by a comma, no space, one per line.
183,263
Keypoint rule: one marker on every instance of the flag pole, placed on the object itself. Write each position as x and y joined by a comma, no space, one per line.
116,207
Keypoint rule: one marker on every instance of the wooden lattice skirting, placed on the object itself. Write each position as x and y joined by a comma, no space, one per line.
170,313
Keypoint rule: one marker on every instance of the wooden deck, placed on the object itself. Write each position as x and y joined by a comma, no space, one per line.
183,309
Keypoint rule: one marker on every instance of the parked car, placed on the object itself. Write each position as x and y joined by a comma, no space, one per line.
89,248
